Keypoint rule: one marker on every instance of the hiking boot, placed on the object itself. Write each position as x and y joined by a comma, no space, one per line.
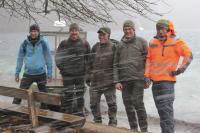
98,120
112,123
134,129
145,132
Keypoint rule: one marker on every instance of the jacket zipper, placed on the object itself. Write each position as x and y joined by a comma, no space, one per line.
163,49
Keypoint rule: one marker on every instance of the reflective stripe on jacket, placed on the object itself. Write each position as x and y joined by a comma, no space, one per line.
163,57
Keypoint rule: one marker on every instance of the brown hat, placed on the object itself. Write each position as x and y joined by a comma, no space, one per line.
104,30
73,26
129,23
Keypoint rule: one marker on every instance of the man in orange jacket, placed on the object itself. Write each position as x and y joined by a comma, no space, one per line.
164,52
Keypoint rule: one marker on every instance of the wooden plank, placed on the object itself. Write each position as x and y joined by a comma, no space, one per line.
48,98
32,109
13,92
7,131
42,129
44,113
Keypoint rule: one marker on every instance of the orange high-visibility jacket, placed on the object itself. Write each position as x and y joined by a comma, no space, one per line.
163,57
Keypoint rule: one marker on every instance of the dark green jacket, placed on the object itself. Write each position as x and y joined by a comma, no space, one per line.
129,61
101,64
72,57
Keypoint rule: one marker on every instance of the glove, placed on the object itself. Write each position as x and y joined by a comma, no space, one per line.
147,82
178,71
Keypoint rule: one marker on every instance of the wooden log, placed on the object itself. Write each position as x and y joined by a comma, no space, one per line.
7,131
13,92
32,109
48,98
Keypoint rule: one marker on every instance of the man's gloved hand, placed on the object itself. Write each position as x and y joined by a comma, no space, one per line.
147,82
178,71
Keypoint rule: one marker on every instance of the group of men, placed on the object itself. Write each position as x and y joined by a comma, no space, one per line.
129,65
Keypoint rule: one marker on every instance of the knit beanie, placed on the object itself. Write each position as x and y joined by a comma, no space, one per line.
34,27
129,23
73,26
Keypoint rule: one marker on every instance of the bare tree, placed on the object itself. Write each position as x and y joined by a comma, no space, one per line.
88,11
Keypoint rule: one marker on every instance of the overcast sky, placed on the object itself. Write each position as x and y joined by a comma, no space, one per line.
184,13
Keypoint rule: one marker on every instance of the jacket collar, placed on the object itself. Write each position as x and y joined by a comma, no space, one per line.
125,40
36,41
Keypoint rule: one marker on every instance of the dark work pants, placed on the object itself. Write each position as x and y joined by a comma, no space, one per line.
110,95
163,93
132,95
27,81
72,101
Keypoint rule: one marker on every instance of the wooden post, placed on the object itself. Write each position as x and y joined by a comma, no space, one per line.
32,109
7,131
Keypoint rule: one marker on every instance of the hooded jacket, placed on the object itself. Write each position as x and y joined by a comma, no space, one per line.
36,58
163,56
